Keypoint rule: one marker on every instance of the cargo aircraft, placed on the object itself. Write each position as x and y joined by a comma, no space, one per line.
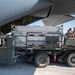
24,12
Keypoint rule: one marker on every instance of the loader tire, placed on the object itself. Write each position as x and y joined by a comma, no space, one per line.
41,60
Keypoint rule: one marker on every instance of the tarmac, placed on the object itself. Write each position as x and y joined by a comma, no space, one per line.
25,68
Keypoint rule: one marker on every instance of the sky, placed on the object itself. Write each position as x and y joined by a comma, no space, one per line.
66,26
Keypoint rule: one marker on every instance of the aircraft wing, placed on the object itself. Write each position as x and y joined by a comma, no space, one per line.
54,20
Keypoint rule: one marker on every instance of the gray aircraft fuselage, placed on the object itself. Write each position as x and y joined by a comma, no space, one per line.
11,10
14,9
